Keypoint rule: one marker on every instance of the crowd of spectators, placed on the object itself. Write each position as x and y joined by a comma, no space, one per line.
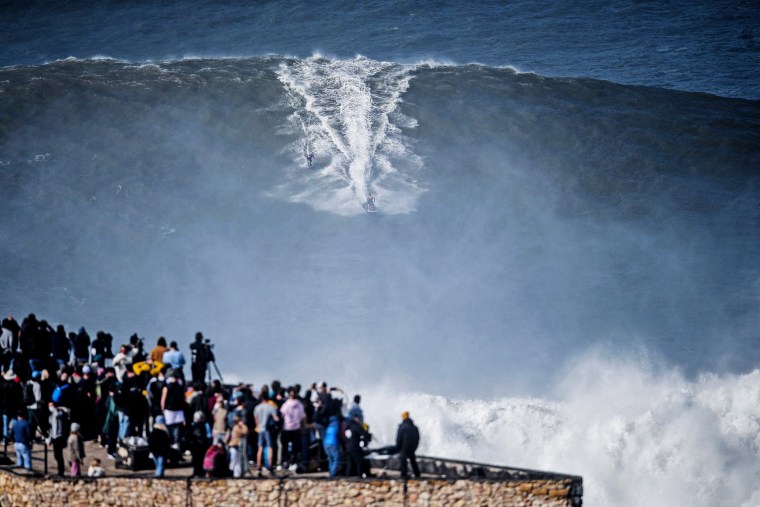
64,389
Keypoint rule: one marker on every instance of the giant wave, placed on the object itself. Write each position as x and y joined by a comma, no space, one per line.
523,221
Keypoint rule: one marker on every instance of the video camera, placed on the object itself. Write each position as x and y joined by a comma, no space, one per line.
208,350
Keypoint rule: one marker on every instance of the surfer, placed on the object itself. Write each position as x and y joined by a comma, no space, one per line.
369,206
309,158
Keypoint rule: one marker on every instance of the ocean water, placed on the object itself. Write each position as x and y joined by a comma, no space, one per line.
563,271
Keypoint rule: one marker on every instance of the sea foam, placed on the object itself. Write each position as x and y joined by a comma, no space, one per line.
637,435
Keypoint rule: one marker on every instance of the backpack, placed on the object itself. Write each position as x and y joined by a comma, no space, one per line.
210,457
29,397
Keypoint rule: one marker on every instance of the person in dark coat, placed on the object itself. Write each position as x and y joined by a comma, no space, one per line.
199,358
356,436
13,399
407,440
159,444
82,347
198,441
59,434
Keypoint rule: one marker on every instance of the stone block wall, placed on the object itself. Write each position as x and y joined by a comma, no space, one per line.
18,490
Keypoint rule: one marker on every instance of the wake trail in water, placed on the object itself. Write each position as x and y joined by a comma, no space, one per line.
346,112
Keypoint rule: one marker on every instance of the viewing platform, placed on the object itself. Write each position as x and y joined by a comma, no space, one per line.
444,482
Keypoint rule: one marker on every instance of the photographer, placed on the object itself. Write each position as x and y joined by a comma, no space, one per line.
122,361
137,350
200,356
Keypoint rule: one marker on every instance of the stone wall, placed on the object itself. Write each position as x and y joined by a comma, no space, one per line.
18,490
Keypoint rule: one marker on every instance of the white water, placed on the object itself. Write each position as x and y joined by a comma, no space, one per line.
638,437
345,112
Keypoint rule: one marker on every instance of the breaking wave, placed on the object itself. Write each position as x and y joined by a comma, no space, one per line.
639,437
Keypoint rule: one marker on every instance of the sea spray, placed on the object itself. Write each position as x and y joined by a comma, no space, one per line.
638,435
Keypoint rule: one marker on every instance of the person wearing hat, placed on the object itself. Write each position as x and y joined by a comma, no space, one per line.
76,450
407,441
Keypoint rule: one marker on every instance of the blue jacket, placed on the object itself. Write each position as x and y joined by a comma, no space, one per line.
21,433
331,433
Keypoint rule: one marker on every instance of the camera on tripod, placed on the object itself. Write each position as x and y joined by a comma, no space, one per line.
208,350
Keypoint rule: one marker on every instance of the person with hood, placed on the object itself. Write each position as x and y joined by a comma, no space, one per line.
407,440
61,347
159,444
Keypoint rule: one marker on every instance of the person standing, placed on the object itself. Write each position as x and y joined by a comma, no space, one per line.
157,353
33,402
198,442
8,344
238,447
407,441
158,443
59,433
173,405
76,450
265,415
356,438
122,362
198,358
293,416
332,445
22,441
356,410
175,359
82,347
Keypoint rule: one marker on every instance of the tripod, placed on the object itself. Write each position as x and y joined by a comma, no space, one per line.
211,363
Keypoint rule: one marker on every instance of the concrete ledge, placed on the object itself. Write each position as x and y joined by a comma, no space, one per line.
26,490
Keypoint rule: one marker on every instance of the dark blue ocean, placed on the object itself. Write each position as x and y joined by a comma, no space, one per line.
564,268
